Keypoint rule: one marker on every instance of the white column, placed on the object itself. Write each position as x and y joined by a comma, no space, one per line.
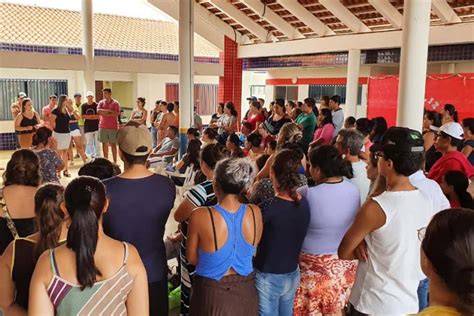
186,74
353,68
88,45
413,63
303,91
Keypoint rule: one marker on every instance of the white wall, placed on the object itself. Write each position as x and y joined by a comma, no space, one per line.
150,86
250,78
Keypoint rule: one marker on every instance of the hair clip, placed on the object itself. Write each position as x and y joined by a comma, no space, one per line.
89,188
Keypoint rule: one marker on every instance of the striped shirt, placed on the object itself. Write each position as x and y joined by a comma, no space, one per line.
200,195
106,297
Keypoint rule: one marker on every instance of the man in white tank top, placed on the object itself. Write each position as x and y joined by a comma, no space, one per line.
384,235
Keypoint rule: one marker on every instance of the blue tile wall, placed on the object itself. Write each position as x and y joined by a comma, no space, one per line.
7,141
101,52
464,52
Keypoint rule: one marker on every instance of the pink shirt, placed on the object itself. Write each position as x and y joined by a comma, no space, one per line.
47,115
110,122
325,132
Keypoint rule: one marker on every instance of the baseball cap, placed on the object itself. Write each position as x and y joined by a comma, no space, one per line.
134,140
399,140
21,95
452,129
253,99
77,94
89,94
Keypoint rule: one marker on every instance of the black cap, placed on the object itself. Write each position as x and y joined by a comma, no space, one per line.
399,139
253,99
77,95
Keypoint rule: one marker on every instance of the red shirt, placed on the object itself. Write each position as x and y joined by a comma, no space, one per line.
254,120
452,161
109,122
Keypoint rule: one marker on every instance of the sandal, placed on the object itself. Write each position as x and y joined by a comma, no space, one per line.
67,174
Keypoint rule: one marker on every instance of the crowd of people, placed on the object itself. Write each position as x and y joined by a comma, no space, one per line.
295,210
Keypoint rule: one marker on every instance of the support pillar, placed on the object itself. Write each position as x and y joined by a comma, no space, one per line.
230,85
186,73
88,45
352,87
413,63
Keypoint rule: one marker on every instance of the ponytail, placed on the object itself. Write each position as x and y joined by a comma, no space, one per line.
285,168
49,216
460,183
85,201
82,239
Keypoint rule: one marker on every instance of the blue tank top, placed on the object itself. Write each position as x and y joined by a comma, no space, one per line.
236,253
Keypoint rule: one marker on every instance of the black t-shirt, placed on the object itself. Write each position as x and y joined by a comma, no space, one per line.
90,125
138,211
284,228
62,121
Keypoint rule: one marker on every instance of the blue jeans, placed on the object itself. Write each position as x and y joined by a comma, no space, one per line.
154,136
276,292
422,291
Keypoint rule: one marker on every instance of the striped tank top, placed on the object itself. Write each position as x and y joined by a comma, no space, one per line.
106,297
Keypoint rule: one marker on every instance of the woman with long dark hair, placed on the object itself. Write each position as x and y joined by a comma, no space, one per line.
26,123
468,142
19,259
323,135
21,180
379,128
233,145
286,218
216,116
221,242
327,291
449,114
44,145
447,251
454,186
60,117
92,273
191,157
431,122
278,118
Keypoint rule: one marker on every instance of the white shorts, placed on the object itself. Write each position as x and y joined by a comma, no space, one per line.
63,140
76,133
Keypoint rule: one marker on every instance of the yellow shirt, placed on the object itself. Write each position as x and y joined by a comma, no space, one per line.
439,311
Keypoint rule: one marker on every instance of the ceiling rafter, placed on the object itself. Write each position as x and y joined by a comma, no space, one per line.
388,11
444,11
260,32
346,16
306,17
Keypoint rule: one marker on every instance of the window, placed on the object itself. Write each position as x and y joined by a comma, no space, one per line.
205,96
38,90
286,92
316,91
257,91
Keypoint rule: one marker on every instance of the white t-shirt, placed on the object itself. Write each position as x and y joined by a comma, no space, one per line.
338,121
387,283
360,179
432,189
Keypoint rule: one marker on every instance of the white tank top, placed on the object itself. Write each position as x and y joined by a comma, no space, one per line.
387,283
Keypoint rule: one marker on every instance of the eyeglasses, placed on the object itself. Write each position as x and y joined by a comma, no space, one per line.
421,233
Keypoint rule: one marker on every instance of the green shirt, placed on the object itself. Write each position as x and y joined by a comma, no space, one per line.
308,121
78,108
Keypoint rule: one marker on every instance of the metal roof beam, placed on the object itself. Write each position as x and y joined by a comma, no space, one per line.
388,11
274,19
444,11
306,17
346,16
242,19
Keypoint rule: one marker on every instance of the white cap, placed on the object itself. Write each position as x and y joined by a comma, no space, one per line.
89,94
453,129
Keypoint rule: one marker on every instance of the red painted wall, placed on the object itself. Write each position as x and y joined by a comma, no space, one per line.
440,89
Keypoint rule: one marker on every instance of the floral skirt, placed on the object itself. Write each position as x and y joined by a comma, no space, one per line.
325,286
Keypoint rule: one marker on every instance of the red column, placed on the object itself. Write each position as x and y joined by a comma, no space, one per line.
230,85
